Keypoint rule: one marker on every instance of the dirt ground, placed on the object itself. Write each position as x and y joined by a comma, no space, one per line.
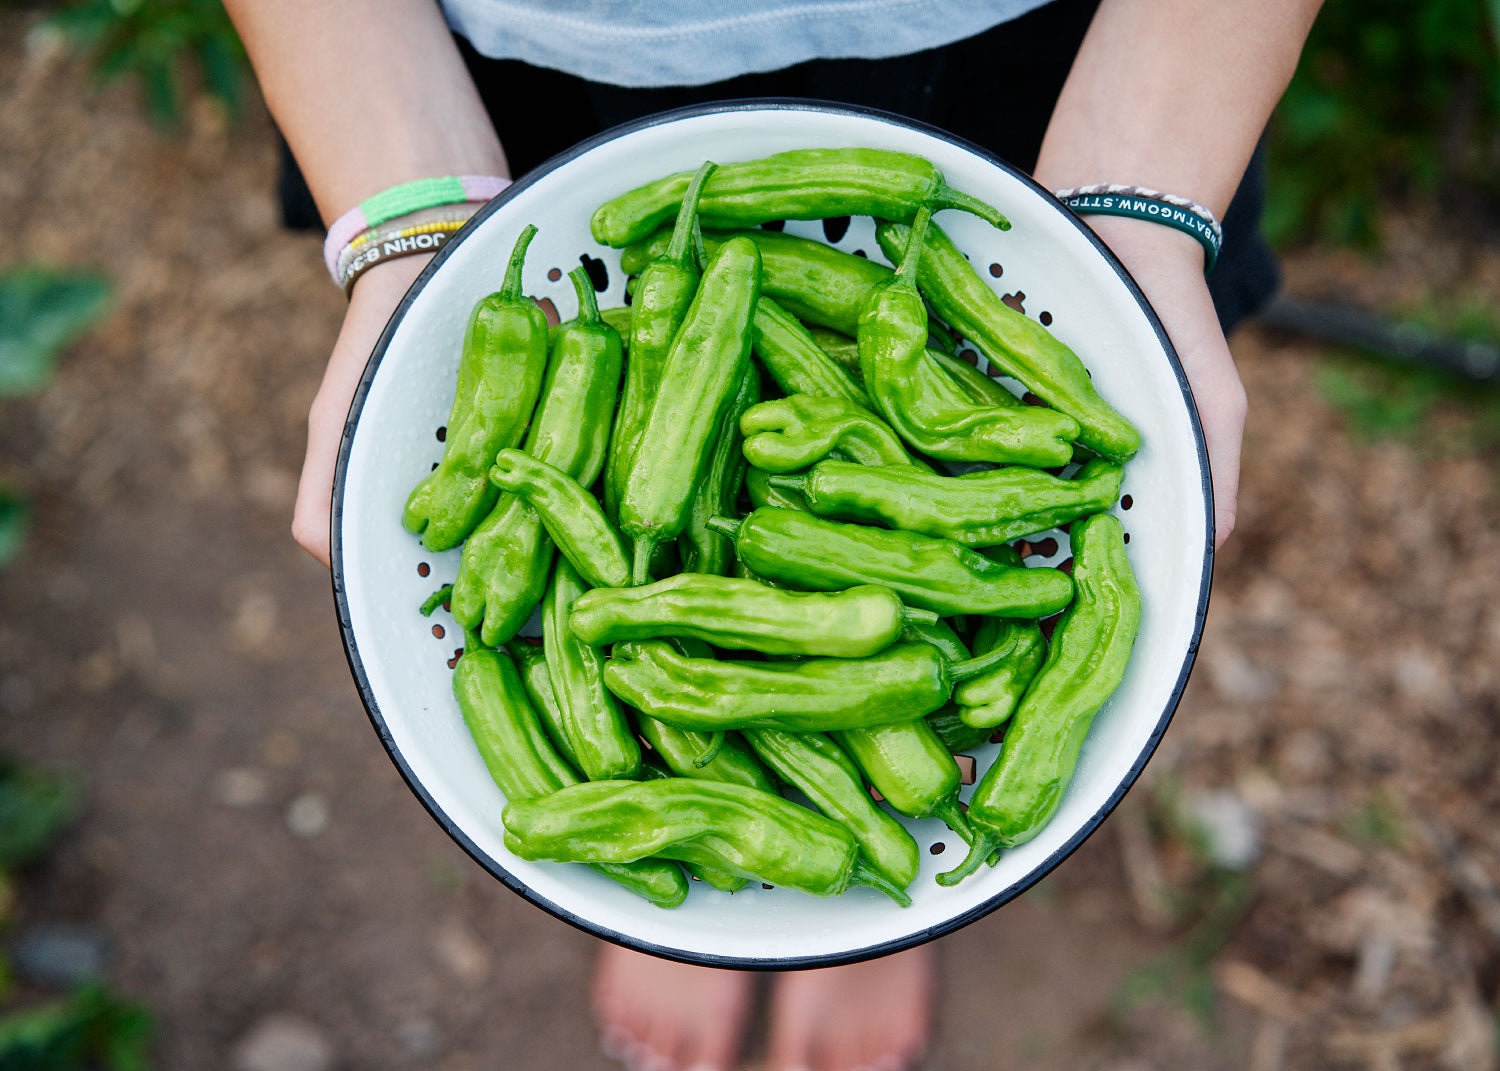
250,852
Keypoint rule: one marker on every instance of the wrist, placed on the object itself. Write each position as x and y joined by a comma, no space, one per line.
1140,243
386,282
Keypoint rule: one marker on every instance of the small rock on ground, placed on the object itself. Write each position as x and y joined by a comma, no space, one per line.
283,1043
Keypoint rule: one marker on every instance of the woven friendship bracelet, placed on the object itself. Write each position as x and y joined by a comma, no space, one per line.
428,220
1138,202
401,200
423,238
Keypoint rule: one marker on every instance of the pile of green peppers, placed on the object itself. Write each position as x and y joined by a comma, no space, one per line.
770,615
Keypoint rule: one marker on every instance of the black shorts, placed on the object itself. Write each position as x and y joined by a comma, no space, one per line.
996,89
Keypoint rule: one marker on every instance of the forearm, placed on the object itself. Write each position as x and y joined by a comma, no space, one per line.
368,93
1173,94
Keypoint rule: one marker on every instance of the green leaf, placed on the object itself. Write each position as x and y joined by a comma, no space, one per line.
35,807
15,515
41,312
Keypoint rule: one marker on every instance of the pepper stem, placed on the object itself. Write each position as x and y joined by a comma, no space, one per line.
640,569
681,244
789,483
511,288
945,196
914,615
472,642
588,304
865,874
436,599
952,816
725,526
980,850
973,667
914,239
711,750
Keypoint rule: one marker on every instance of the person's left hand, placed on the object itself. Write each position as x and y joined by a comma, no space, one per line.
1168,265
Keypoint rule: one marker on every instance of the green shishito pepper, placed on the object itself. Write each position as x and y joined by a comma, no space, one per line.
787,434
592,721
703,550
816,766
704,369
1086,662
731,828
570,514
653,769
800,184
745,615
1021,346
911,768
815,283
979,509
524,764
532,663
935,574
504,567
897,375
499,375
968,384
658,304
989,699
904,681
795,362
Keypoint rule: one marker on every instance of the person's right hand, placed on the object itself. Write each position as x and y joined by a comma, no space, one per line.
376,294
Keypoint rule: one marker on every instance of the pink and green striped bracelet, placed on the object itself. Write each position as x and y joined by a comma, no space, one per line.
403,199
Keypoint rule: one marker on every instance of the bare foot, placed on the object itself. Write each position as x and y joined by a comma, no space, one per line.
873,1016
656,1015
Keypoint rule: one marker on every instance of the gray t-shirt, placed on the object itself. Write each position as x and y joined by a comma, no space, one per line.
682,43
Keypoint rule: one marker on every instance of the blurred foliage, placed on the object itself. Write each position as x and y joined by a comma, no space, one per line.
1390,97
42,311
153,41
91,1029
35,807
1435,411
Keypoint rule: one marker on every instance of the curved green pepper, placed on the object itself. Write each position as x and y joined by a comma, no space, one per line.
910,767
897,375
963,384
989,699
951,730
814,282
800,184
682,752
499,375
532,663
1085,664
592,721
703,371
658,303
904,681
1021,346
739,830
816,766
745,615
795,362
787,434
523,763
704,550
570,514
979,509
798,548
504,567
